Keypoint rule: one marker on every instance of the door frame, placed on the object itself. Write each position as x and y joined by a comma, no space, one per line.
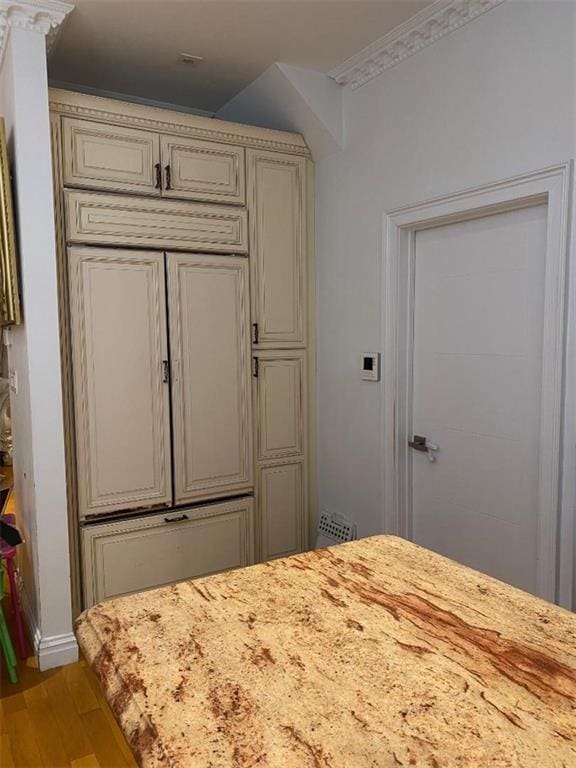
557,489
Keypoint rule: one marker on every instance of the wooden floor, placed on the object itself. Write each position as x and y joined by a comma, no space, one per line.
57,718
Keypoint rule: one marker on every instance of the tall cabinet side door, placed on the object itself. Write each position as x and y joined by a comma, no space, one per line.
280,404
210,347
120,353
282,514
276,206
280,387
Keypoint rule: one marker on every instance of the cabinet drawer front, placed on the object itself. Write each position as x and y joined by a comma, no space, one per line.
110,157
121,220
203,170
276,202
119,342
282,510
133,555
280,399
210,347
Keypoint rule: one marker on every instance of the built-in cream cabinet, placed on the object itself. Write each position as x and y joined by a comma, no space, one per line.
100,156
119,357
276,205
211,399
100,218
140,553
184,280
203,170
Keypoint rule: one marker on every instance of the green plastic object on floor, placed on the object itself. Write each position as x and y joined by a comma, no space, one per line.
5,641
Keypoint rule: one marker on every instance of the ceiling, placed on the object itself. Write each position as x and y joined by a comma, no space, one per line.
132,47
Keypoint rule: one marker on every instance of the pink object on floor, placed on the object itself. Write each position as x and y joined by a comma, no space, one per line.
8,554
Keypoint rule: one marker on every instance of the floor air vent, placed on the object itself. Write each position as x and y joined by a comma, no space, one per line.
334,529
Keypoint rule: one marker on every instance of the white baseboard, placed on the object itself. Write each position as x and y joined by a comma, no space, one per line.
52,650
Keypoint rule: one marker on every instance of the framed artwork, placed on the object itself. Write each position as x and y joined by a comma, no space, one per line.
10,313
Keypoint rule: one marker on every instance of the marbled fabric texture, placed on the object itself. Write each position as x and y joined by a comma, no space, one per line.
373,654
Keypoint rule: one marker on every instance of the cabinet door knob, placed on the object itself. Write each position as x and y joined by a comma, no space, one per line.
168,177
158,172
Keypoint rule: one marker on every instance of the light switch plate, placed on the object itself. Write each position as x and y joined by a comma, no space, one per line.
370,366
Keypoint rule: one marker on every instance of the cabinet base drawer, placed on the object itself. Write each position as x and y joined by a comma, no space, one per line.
142,553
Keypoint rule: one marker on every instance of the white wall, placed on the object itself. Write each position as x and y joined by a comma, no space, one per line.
290,98
34,353
494,99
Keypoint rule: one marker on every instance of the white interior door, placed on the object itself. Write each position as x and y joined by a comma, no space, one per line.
477,387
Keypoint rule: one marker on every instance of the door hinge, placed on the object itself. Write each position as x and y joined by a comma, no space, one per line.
255,333
165,371
256,369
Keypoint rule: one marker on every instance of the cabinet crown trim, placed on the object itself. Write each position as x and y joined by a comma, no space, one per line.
175,123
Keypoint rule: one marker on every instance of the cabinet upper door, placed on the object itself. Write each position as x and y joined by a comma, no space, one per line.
210,347
280,404
203,170
119,345
277,207
100,156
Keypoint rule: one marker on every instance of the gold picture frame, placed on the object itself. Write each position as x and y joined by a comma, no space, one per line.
10,312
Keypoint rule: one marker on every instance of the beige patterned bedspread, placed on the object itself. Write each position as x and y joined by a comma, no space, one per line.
373,654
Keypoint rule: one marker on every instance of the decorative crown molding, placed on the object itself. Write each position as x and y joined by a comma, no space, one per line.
42,16
423,29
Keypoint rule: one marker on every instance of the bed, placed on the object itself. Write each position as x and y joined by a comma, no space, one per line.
372,654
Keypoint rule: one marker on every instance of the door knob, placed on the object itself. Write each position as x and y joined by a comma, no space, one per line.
418,443
422,444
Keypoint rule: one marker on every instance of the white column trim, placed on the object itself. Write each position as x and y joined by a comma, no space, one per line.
43,17
52,651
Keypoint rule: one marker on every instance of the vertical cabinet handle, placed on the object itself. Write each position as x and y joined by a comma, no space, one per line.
158,172
256,369
165,371
255,334
168,177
